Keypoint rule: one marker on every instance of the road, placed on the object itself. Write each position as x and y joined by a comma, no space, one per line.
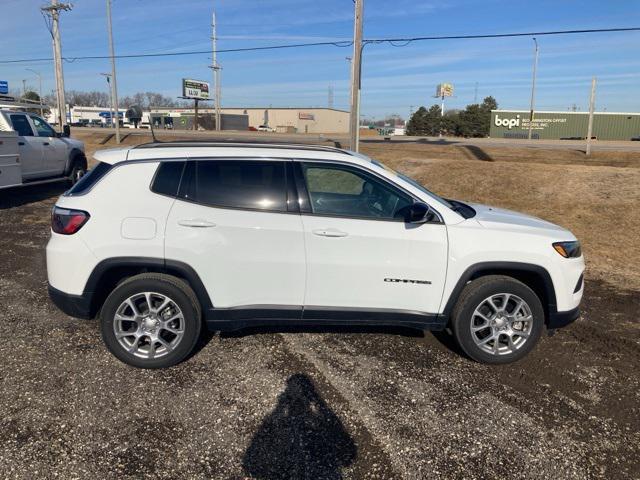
605,146
305,403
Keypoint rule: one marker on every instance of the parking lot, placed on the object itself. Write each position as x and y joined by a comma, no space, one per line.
329,403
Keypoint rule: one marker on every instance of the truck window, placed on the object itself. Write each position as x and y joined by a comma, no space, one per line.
21,125
42,127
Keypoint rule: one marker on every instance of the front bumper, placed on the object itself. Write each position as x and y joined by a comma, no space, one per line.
562,319
73,305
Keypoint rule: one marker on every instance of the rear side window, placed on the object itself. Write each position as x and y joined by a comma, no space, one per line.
90,179
259,185
21,125
167,179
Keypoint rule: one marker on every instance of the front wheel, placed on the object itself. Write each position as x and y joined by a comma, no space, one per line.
151,321
497,319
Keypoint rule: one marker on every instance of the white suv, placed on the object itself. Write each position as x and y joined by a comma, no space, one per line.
159,238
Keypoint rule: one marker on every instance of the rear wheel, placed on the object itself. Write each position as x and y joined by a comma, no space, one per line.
497,319
78,169
151,321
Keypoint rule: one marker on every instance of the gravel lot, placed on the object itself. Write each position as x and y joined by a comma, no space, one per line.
306,403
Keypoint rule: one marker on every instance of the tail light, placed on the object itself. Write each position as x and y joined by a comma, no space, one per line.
67,222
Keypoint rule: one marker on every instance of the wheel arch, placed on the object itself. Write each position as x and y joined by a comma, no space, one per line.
109,273
74,155
534,276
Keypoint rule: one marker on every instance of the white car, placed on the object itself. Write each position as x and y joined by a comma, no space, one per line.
32,151
161,239
265,128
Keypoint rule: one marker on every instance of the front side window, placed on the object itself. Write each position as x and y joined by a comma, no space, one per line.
43,128
249,184
21,125
343,191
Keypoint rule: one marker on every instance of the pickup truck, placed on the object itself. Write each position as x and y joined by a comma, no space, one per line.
31,151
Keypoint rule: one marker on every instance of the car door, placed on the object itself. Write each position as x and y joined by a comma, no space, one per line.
361,258
29,146
54,149
235,223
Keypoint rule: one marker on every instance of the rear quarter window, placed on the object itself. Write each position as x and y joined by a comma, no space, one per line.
92,177
167,178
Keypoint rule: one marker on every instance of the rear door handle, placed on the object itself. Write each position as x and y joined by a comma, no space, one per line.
330,232
46,143
20,143
196,222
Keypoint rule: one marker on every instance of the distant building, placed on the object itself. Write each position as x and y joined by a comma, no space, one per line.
564,125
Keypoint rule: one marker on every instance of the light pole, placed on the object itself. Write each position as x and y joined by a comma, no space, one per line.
40,89
114,88
533,86
108,77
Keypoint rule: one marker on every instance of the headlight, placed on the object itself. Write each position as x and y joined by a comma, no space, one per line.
568,249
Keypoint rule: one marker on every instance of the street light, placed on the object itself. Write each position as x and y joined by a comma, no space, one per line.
40,93
533,86
108,77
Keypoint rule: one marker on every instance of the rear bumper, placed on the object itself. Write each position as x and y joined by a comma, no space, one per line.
562,319
73,305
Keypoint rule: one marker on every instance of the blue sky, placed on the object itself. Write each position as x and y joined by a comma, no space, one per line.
394,79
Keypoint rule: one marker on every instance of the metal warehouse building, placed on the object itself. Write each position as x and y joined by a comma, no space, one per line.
564,125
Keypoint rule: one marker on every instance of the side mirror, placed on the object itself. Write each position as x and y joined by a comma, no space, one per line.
415,213
66,130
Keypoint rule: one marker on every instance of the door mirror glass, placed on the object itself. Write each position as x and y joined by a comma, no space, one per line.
66,131
416,213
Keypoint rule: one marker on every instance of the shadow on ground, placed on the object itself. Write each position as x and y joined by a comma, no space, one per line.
301,438
18,196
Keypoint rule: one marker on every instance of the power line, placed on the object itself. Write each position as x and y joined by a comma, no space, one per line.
396,42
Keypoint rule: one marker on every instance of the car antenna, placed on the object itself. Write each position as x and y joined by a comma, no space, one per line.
153,134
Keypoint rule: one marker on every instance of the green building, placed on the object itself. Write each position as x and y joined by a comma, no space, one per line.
564,125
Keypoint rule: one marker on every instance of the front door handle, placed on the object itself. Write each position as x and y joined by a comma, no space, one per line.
330,232
46,144
196,222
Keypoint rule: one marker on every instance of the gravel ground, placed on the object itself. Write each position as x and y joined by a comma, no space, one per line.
305,403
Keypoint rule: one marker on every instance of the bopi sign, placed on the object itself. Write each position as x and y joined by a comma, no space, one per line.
507,122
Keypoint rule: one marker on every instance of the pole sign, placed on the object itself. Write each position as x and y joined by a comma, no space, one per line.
4,87
444,90
195,89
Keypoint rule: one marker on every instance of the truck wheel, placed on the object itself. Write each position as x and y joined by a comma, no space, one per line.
78,169
151,320
497,319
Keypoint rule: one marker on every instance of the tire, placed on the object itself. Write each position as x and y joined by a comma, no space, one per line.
490,307
151,338
78,169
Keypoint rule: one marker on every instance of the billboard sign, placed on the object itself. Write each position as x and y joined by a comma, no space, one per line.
444,90
306,116
196,89
4,87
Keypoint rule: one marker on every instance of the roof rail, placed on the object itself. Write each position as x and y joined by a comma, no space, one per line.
236,143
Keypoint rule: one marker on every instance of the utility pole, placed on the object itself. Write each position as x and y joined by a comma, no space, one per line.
475,94
39,90
108,77
356,71
53,11
330,96
533,86
114,87
216,69
24,87
592,103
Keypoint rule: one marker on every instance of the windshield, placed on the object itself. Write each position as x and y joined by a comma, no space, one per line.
415,184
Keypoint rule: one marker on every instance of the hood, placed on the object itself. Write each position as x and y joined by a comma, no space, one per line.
492,217
73,143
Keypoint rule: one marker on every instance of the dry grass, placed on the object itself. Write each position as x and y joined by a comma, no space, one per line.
598,198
